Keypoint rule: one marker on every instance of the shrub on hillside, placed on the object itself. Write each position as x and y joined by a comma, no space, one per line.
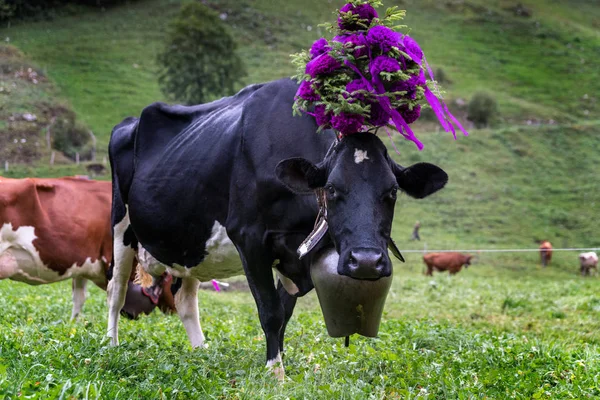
199,61
70,136
481,109
441,76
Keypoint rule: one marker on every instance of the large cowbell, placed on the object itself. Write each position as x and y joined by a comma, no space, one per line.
349,305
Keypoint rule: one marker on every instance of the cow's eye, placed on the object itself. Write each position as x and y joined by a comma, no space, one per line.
331,190
393,193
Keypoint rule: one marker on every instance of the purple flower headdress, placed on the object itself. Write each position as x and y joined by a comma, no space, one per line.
367,76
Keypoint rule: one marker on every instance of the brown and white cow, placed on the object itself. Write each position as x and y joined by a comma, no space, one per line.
451,262
587,262
545,252
56,229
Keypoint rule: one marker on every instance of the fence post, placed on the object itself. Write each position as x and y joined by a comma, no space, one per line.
52,155
48,135
5,166
93,155
77,158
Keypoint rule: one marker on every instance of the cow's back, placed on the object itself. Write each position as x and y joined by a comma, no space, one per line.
194,167
65,219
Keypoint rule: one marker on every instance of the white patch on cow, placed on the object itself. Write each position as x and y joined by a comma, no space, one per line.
588,259
287,283
20,260
186,302
8,265
222,261
276,367
117,287
360,156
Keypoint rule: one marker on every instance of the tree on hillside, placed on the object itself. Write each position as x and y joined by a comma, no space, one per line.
199,61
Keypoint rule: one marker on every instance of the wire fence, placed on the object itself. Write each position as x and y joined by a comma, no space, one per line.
426,250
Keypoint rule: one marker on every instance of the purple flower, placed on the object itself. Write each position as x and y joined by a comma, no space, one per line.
319,47
365,12
322,117
409,85
356,40
378,116
409,115
322,65
357,84
347,123
306,92
384,64
383,38
411,47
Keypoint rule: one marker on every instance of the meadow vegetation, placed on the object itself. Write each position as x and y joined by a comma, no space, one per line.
503,328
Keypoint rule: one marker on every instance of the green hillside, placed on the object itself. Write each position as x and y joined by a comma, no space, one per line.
539,67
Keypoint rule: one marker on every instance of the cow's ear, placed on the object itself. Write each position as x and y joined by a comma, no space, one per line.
420,180
300,175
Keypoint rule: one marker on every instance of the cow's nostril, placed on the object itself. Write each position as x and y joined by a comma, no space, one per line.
378,261
352,260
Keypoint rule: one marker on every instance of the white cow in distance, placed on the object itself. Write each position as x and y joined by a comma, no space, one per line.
587,262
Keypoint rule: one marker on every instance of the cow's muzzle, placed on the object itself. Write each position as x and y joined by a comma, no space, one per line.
136,302
366,264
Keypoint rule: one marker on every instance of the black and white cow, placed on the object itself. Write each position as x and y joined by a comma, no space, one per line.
194,184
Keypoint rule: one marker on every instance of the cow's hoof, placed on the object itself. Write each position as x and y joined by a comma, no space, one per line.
279,373
199,344
114,341
276,368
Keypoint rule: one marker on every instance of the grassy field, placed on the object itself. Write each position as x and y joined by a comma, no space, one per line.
490,332
504,328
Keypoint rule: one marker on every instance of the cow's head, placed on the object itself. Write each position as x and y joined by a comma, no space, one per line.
361,183
140,300
468,261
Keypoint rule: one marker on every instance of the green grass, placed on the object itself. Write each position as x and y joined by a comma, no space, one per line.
490,332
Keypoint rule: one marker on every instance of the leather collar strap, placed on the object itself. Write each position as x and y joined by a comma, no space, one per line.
320,228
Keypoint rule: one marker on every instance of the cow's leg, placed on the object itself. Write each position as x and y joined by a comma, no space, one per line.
123,256
271,313
289,302
79,286
543,255
186,302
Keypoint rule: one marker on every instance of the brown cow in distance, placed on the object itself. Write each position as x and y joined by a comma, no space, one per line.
451,262
57,229
545,252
